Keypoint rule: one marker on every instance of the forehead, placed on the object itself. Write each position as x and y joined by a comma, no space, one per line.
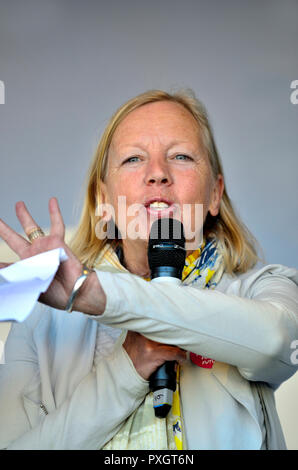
159,121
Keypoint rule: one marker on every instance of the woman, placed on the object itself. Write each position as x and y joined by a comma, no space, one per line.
74,381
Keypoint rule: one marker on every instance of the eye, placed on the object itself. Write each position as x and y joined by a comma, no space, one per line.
182,156
132,159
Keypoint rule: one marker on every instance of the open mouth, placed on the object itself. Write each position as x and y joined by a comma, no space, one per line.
159,207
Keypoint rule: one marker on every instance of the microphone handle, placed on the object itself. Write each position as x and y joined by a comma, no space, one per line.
163,384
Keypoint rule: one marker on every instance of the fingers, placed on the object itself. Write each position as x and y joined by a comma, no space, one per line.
148,355
174,354
24,216
57,223
15,241
18,243
27,221
135,342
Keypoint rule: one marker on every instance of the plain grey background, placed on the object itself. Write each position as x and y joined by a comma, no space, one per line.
68,64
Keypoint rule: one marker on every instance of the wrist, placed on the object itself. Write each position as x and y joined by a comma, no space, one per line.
79,281
91,298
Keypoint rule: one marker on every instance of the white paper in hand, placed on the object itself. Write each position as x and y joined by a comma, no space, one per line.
22,283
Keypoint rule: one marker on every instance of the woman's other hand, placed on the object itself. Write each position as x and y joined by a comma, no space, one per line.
148,355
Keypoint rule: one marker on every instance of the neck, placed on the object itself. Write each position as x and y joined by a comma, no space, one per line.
136,258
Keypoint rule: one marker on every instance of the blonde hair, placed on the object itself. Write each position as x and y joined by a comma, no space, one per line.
235,241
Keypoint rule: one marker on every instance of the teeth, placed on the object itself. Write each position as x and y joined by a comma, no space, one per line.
159,205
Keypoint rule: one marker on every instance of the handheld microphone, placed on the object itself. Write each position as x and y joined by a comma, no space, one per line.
166,257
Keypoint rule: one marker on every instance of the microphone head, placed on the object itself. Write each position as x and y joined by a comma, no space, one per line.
166,248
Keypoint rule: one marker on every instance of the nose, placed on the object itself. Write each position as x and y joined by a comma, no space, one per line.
158,173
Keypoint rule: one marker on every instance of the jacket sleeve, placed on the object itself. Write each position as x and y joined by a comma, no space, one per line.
88,419
251,325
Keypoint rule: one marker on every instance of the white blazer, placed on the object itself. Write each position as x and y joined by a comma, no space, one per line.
54,395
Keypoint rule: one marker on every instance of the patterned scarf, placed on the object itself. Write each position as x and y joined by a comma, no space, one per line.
142,430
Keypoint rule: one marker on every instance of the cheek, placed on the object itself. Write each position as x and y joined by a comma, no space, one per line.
118,189
193,188
124,199
126,186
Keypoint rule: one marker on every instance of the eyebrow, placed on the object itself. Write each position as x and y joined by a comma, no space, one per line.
141,146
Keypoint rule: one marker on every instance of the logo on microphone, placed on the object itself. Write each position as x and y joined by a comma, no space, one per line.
161,397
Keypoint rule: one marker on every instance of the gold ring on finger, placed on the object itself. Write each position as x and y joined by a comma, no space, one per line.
35,233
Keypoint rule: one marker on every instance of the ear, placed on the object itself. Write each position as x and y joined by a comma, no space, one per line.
216,195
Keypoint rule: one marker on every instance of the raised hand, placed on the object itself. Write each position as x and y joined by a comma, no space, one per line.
59,291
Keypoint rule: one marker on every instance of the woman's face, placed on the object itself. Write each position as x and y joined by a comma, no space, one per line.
158,167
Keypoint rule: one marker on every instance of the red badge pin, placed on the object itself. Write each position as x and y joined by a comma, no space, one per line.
201,361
